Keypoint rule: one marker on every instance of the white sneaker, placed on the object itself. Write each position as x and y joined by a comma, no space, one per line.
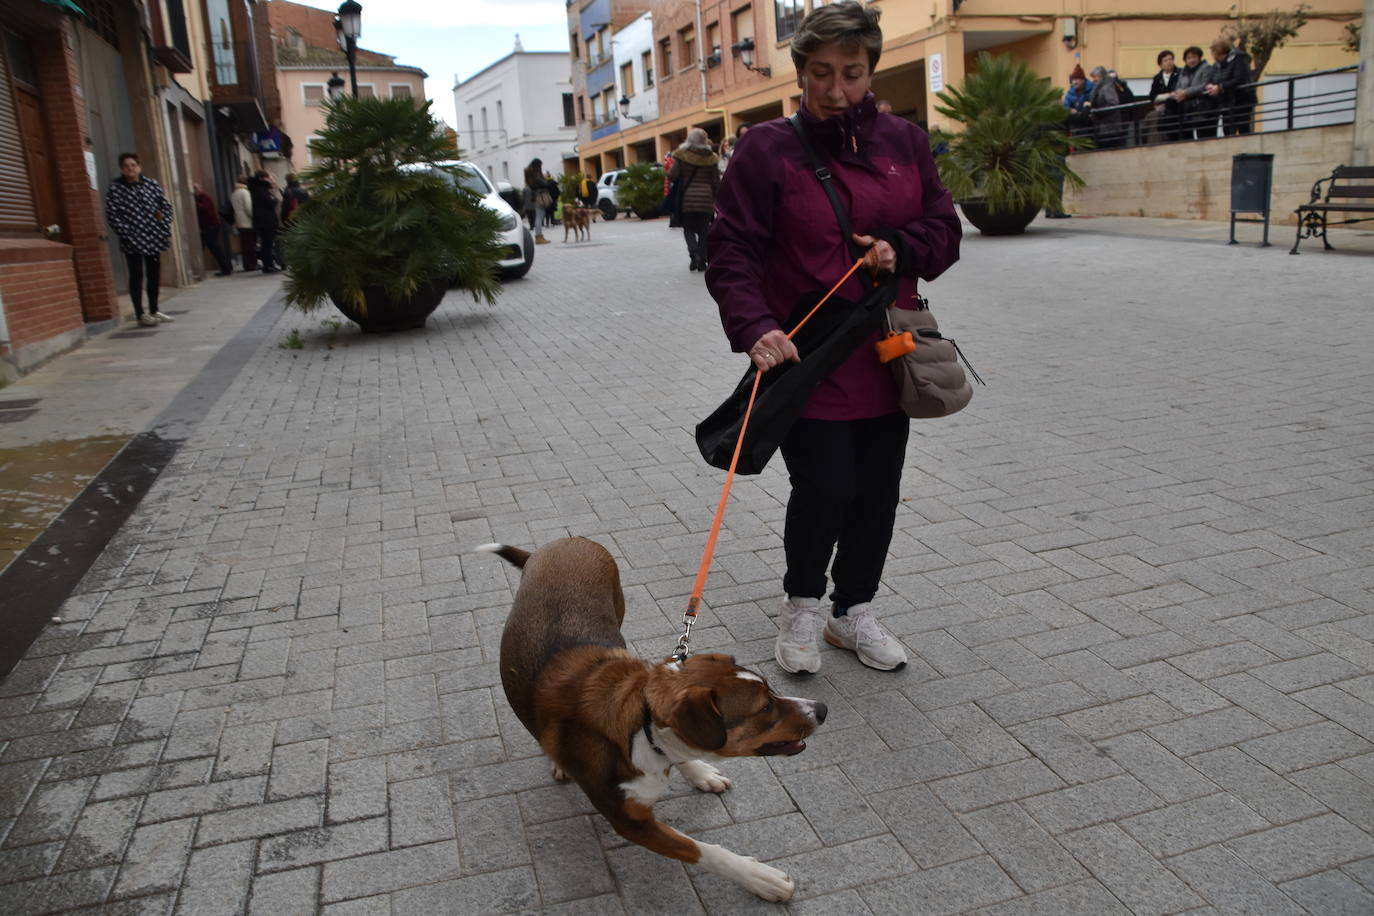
859,631
147,321
162,317
799,631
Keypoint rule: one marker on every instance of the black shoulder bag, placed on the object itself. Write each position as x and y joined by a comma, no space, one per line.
823,343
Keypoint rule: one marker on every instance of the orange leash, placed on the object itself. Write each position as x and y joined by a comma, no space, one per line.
689,617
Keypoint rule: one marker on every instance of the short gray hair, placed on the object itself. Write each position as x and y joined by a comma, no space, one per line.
1098,71
697,137
848,23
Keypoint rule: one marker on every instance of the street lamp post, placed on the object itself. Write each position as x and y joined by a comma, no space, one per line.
350,26
336,85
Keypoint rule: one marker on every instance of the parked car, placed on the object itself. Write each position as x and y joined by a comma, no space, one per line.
606,200
517,242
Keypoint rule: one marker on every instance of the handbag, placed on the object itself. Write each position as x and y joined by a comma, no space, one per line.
925,364
543,199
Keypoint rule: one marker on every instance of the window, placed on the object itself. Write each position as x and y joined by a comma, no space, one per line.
310,145
741,24
789,14
500,115
471,130
366,91
401,91
313,94
665,57
712,47
572,43
687,41
606,107
484,125
581,108
627,79
568,120
647,66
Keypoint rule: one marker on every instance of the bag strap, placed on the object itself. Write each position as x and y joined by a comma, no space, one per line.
824,175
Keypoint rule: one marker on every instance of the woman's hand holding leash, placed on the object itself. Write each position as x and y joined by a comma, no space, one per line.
879,249
773,349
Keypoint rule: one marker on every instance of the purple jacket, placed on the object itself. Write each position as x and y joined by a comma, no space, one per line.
776,237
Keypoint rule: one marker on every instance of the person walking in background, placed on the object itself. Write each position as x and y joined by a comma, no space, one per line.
211,230
1165,113
696,167
1230,74
141,215
291,199
263,190
537,199
776,239
1197,109
242,203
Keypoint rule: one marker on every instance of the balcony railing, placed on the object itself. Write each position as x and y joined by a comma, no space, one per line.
1137,123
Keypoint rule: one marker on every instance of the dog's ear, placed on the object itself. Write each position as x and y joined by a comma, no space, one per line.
697,719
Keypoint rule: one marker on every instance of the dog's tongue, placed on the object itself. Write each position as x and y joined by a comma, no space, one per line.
782,748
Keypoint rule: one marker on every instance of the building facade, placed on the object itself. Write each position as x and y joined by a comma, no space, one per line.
307,56
80,84
518,109
701,47
636,76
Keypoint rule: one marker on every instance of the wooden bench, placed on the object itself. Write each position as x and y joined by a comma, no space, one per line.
1349,189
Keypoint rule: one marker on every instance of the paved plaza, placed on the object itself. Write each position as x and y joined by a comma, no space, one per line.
1135,580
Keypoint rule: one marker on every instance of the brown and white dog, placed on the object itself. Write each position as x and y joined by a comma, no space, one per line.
579,220
616,723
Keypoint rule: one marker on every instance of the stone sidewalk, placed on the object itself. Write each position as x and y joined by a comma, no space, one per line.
1134,579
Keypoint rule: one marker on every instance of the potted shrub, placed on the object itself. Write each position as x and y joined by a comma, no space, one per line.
641,189
1005,166
385,233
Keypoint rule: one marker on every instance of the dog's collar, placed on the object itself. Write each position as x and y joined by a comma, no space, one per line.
649,733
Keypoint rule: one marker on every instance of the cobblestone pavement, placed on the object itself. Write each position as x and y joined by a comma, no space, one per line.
1134,579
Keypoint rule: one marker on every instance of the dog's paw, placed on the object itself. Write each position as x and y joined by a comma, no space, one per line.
704,777
558,774
766,881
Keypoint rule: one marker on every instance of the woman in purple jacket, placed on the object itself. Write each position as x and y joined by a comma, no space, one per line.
777,237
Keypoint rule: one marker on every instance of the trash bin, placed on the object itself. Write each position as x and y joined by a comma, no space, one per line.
1252,179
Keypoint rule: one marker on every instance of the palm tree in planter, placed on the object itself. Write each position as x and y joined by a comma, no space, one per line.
386,231
1007,162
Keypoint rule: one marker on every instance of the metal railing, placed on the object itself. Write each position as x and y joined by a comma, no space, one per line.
1138,124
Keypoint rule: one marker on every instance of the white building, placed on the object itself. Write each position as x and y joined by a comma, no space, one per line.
634,69
519,108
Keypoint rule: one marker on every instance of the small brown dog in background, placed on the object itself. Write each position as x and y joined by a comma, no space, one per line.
579,220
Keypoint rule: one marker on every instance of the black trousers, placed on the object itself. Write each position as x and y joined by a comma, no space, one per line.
143,267
248,248
694,227
267,249
213,238
1238,120
846,477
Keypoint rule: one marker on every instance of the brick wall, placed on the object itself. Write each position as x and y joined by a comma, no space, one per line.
83,215
39,286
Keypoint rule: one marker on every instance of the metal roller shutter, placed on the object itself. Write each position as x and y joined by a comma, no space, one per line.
17,212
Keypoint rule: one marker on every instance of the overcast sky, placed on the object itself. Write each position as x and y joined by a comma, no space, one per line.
448,37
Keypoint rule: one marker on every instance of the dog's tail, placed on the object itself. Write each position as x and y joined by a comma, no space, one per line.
512,555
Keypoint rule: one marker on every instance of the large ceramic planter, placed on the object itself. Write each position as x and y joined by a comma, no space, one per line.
383,314
1013,222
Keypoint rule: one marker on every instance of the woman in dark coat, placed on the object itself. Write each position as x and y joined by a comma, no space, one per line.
697,168
775,239
1167,109
263,190
141,215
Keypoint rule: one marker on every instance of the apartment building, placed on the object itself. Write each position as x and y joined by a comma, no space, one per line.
517,109
721,62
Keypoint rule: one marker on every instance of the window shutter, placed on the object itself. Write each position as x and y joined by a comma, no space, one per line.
16,194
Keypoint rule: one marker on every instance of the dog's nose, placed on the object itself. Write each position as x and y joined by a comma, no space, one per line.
820,713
